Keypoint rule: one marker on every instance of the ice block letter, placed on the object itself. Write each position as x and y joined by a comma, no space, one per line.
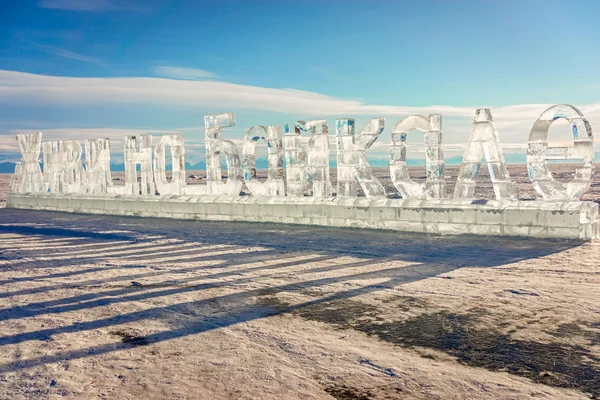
274,185
54,166
75,178
538,152
484,142
164,186
97,163
213,125
352,164
434,186
138,150
31,179
310,163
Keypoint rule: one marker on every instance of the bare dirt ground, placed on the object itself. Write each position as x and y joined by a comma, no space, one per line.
105,307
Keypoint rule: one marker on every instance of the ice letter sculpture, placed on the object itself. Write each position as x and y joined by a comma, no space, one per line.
75,177
538,152
175,142
138,150
307,164
317,153
296,168
54,166
97,162
274,185
484,142
434,186
559,214
30,179
352,164
213,124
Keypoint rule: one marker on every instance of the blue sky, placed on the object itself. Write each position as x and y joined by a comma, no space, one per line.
273,62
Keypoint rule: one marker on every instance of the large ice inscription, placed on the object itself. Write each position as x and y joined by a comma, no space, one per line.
300,165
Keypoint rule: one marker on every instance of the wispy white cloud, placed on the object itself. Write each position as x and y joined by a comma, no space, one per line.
78,5
191,74
68,54
513,122
25,88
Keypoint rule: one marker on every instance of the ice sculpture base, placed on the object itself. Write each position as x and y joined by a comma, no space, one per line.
566,220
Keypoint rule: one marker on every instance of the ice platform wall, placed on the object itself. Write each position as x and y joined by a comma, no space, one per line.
540,219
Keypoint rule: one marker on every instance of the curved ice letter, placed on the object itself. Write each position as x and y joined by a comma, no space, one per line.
434,186
484,141
538,152
213,124
138,150
310,165
175,142
274,185
352,164
97,163
30,179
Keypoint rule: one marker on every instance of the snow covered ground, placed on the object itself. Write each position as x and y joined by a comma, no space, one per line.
105,307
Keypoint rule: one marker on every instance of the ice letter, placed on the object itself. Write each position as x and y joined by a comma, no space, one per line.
54,166
17,177
138,150
297,179
352,164
484,141
31,179
274,185
539,151
213,124
307,165
434,186
97,163
178,166
74,174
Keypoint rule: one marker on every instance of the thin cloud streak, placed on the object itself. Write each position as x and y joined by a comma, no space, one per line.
68,54
191,74
78,5
25,88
